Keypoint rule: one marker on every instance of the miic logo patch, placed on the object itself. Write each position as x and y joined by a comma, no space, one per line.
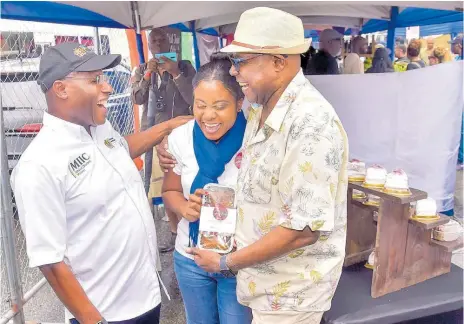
81,50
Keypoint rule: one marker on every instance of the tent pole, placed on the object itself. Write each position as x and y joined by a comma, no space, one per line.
138,31
195,45
138,38
391,30
97,43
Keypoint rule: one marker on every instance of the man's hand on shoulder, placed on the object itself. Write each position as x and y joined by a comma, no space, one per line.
166,160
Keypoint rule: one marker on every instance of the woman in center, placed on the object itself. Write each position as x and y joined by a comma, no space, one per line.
207,150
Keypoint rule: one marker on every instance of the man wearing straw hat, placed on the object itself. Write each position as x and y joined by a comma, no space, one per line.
292,186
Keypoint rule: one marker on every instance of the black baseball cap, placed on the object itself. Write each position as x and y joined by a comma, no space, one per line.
61,60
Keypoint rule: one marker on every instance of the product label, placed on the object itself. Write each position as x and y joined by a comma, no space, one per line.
218,219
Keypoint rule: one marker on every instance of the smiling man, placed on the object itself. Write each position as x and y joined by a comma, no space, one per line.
81,200
292,184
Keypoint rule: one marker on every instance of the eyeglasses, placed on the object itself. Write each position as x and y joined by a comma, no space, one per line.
99,79
237,61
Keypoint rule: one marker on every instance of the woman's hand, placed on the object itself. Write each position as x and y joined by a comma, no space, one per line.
191,210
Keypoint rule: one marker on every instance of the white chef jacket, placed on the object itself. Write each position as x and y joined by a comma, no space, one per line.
81,200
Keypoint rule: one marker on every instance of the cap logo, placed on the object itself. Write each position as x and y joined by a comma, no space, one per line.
80,51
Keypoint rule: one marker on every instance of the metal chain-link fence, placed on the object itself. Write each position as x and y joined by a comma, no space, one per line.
23,105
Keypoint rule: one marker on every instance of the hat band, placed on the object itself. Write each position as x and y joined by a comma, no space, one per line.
253,46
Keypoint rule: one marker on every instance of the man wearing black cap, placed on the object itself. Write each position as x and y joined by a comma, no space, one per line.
81,200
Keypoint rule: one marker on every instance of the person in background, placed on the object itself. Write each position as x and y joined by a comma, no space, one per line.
81,201
439,55
324,61
206,151
381,63
307,56
164,88
353,63
402,61
428,51
456,47
292,185
414,49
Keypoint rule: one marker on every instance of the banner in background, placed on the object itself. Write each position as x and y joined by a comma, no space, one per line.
186,39
207,45
174,39
404,120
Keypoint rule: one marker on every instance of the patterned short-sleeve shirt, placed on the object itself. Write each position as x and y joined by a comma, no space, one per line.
293,174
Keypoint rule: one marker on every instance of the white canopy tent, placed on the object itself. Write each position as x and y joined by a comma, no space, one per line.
206,14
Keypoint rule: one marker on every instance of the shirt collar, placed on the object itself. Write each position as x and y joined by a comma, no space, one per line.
60,124
277,115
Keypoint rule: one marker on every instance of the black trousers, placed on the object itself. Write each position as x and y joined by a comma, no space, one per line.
151,317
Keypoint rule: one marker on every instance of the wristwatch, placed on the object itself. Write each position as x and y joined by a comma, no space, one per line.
102,321
225,270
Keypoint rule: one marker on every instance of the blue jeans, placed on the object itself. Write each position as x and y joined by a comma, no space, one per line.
151,317
209,298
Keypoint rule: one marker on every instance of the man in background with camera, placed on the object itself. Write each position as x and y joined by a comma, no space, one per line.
164,88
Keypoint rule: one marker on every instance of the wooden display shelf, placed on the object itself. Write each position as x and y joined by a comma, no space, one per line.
425,225
360,204
357,258
404,251
415,194
430,225
448,246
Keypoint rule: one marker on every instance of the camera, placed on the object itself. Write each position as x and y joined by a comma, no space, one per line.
160,105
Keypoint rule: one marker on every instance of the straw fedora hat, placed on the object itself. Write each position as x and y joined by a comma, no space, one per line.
268,31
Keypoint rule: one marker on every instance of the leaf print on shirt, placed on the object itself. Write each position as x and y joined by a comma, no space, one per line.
308,150
290,97
241,216
252,288
266,223
277,292
251,114
333,159
265,268
305,167
317,224
333,192
287,189
315,276
323,238
287,212
295,254
298,295
273,151
280,289
304,194
322,251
